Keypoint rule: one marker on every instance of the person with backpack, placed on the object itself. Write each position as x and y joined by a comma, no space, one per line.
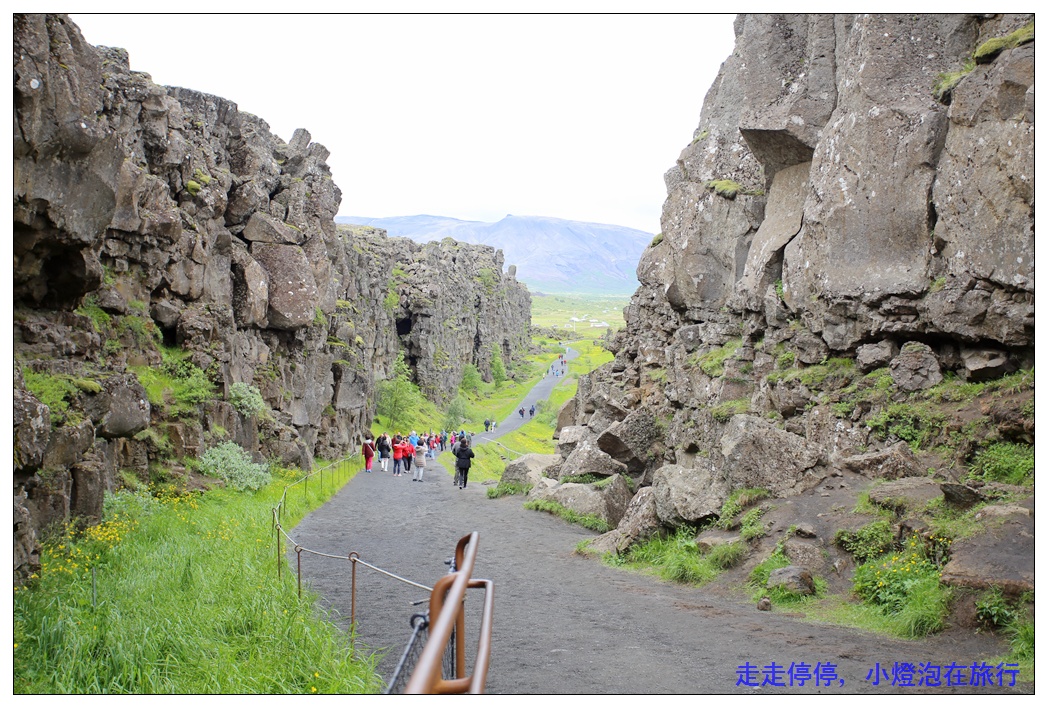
385,448
368,451
464,459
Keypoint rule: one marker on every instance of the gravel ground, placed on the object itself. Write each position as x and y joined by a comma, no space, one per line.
564,624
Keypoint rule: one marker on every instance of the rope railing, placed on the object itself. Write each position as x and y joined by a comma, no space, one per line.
437,649
300,549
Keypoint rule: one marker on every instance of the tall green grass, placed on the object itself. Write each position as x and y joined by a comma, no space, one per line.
187,601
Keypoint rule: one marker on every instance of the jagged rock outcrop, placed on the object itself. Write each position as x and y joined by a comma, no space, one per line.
854,214
150,221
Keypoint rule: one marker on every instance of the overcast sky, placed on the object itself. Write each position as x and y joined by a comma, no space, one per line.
467,116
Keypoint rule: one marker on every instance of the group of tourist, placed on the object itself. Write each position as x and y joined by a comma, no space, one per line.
407,451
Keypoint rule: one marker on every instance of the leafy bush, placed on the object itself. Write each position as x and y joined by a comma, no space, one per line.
994,610
905,585
229,462
471,379
397,396
457,413
1007,462
247,399
497,366
867,542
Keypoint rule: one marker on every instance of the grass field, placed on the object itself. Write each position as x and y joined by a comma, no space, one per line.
576,314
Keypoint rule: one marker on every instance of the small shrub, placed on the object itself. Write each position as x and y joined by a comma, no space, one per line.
868,542
1007,462
785,360
752,528
229,462
247,399
1023,641
994,610
906,586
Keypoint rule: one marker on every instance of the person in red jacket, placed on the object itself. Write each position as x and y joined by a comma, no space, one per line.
408,455
368,452
398,455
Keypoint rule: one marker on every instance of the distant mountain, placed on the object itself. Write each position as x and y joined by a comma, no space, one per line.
550,254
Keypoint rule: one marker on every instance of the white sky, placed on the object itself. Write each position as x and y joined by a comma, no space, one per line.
468,116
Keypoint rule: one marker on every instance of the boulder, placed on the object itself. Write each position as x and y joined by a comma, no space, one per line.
32,430
757,454
688,495
895,462
293,297
250,290
961,495
528,469
629,441
708,539
915,368
262,228
587,458
985,364
1001,556
121,409
872,356
570,436
793,578
806,554
905,494
607,500
640,522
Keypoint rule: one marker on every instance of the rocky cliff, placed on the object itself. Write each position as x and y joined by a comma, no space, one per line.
856,207
170,255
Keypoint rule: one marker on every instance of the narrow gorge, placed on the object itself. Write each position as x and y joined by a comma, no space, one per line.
160,231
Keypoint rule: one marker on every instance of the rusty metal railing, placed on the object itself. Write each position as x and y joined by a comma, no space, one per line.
447,631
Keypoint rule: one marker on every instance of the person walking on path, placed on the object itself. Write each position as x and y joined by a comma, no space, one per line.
368,451
464,460
398,455
385,448
419,460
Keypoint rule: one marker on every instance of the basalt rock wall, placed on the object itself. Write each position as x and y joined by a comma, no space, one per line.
150,221
858,196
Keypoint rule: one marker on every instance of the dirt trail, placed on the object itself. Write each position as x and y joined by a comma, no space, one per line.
564,624
569,625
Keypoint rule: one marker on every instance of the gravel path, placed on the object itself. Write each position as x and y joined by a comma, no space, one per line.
569,625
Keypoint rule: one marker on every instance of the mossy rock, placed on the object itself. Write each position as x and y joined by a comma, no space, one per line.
990,49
